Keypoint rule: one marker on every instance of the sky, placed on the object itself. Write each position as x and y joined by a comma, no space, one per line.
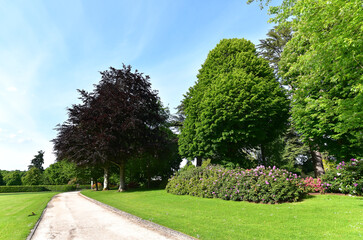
49,49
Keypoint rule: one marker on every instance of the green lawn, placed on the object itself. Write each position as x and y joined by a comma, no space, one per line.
16,220
318,217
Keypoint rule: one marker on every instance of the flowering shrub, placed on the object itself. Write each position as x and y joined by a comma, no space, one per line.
313,185
346,178
99,185
265,185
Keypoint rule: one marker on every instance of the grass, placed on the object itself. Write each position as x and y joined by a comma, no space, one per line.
16,219
317,217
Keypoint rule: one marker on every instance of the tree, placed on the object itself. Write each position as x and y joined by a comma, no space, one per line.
59,173
33,176
115,123
271,48
37,161
158,163
235,106
13,178
323,64
294,151
2,182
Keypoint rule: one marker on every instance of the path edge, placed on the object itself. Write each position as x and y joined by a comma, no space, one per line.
151,225
32,231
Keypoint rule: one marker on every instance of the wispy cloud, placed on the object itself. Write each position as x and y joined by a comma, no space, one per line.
24,55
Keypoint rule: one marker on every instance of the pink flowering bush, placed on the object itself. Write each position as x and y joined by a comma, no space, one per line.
314,185
346,178
261,184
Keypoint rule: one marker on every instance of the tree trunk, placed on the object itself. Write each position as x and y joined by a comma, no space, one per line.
148,176
317,162
105,179
96,184
199,162
263,157
122,186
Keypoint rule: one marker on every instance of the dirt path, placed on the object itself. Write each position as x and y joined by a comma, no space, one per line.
71,216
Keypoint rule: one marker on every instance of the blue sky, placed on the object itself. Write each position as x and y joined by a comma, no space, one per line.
48,49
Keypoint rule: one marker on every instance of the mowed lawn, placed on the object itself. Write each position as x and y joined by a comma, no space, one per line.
317,217
16,209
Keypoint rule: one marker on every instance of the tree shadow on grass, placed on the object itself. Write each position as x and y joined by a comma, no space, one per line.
308,197
133,190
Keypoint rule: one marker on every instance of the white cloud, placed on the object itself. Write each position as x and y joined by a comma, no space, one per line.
11,89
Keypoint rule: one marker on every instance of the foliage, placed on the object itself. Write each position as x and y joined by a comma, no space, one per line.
265,185
99,186
33,176
235,106
317,217
8,189
60,188
115,123
157,164
38,188
313,185
346,178
37,161
295,154
59,173
2,182
272,47
323,64
13,178
329,164
83,186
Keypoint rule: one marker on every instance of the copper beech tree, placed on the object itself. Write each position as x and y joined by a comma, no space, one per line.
121,119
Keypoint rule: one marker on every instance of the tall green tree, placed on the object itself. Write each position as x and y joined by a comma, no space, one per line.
59,173
2,182
13,178
323,64
235,106
33,176
294,152
272,47
37,161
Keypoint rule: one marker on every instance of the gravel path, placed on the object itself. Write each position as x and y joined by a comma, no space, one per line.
71,216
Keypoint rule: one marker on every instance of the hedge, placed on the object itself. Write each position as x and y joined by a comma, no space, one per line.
37,188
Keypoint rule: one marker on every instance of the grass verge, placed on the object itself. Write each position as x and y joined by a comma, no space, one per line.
16,219
317,217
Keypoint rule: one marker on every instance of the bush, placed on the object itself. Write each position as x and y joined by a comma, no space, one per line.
265,185
313,185
60,188
346,178
83,186
38,188
99,186
8,189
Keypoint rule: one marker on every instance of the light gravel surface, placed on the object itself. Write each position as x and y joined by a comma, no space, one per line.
72,216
